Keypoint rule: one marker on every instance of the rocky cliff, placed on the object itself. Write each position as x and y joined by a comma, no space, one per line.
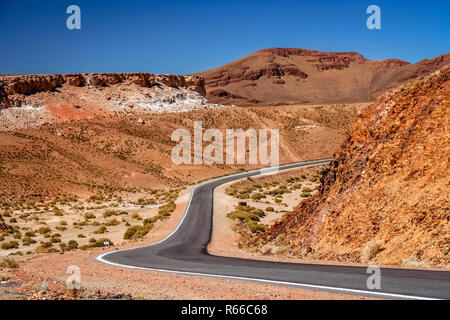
13,89
32,100
385,197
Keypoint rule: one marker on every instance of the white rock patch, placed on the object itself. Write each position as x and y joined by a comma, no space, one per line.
25,116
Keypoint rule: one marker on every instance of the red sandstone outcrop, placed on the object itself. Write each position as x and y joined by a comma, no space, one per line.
14,88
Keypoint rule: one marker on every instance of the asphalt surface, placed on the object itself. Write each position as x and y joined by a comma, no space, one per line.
184,251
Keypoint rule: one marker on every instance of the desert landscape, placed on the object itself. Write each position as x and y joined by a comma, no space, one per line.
85,162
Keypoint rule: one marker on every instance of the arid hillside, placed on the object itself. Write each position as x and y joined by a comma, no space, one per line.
127,154
290,75
32,100
385,198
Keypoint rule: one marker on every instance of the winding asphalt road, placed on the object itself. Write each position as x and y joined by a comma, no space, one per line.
184,252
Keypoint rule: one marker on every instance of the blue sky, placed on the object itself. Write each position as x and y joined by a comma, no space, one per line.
182,36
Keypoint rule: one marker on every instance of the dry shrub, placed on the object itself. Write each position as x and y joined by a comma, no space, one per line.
371,249
413,262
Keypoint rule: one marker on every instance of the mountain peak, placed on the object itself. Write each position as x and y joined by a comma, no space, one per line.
295,75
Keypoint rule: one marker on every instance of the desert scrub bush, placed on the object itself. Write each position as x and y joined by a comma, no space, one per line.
109,213
371,249
296,186
151,220
44,249
258,196
230,191
9,263
58,212
80,224
89,215
255,226
307,190
96,198
250,216
414,262
136,232
112,222
277,191
16,253
61,228
167,209
243,196
12,220
43,230
10,245
101,230
270,209
30,234
55,239
136,216
72,245
81,236
26,241
144,202
102,242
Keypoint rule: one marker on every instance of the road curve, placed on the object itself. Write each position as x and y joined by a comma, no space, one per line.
184,252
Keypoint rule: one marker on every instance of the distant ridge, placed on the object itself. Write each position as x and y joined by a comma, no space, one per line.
291,75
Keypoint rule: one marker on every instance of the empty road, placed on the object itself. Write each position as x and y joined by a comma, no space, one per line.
184,252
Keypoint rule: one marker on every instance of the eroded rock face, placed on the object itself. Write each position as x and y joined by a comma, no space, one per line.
14,88
387,185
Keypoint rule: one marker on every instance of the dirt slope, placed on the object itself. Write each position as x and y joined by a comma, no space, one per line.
385,198
125,153
290,75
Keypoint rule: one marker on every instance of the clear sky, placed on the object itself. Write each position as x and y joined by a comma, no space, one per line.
186,36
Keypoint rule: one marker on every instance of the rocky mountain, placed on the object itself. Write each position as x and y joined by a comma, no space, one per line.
289,75
385,198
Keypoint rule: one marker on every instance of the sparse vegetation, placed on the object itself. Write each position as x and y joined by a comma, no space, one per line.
250,216
10,245
101,230
9,263
137,232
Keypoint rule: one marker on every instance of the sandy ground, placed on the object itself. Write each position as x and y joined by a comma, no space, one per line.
110,282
